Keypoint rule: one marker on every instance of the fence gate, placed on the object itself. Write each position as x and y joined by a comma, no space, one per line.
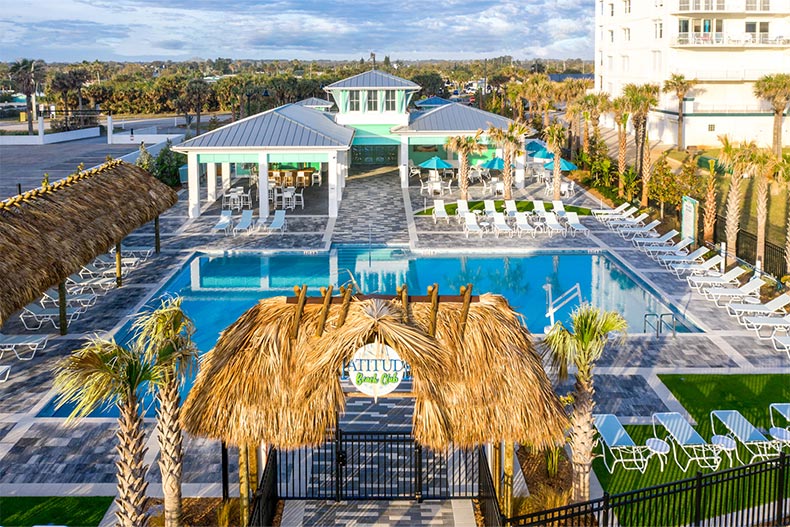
376,465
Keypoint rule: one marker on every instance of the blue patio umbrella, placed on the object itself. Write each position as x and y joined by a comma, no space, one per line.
495,163
533,146
564,165
436,162
543,154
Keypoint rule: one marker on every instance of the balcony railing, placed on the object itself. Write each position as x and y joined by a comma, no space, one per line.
726,75
733,6
731,40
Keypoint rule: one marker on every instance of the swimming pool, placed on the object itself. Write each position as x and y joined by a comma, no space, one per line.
216,290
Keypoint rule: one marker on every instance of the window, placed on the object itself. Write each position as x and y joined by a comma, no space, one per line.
373,101
610,62
389,101
659,3
353,101
611,9
611,35
625,63
656,61
626,6
711,128
627,34
659,30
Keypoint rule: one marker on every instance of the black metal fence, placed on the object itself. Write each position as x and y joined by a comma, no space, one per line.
755,494
487,498
264,503
746,249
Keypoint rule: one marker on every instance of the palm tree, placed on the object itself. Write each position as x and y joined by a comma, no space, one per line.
776,90
26,74
167,336
596,104
710,206
680,86
763,164
735,158
572,112
197,91
513,90
582,348
102,373
641,98
621,112
61,83
554,136
465,145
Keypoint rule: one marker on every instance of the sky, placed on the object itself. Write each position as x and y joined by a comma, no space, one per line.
130,30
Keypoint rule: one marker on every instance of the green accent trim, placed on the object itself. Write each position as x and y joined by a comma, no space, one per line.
374,134
298,158
342,101
228,158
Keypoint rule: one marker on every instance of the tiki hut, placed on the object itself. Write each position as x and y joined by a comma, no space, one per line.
273,375
49,233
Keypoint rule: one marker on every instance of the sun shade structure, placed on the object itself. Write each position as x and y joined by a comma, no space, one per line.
49,233
273,375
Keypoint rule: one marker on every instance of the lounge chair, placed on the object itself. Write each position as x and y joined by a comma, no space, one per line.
740,429
35,314
136,251
730,277
33,343
538,206
245,222
651,238
775,324
627,213
225,222
51,296
108,260
628,223
649,229
500,225
510,208
470,225
102,284
677,259
734,294
524,226
696,268
439,212
574,225
490,207
778,432
775,306
558,208
678,249
684,439
782,344
463,208
553,225
94,271
618,446
608,212
278,223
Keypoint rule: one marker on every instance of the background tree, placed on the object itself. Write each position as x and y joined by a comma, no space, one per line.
145,160
680,86
621,112
197,92
710,206
581,348
26,74
735,158
776,90
554,136
763,166
641,98
596,104
465,146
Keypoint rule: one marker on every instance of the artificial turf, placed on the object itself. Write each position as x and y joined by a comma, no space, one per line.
74,511
521,206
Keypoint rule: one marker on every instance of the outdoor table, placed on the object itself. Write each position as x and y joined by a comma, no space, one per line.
288,198
660,448
726,444
4,371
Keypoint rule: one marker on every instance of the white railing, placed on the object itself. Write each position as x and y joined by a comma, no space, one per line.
729,108
732,6
726,75
731,40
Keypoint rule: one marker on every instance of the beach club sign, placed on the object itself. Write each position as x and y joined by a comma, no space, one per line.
376,369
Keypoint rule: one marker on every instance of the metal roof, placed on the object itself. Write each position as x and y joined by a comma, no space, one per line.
453,117
433,101
314,102
287,126
373,79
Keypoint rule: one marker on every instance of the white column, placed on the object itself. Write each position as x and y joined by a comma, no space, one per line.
403,161
341,174
263,185
521,163
211,181
41,126
194,274
225,176
193,183
109,129
333,268
332,177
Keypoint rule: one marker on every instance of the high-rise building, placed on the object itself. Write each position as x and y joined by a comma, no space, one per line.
726,45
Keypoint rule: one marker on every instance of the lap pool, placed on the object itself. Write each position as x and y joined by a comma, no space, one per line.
216,290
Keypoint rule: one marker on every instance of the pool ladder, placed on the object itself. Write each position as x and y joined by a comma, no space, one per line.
657,322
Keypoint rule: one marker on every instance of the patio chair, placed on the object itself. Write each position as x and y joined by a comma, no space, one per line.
299,198
94,285
676,259
775,306
471,226
278,223
316,177
553,225
558,207
687,445
490,207
696,268
51,296
225,222
461,209
510,208
778,432
244,224
500,225
523,225
538,206
35,314
33,343
630,232
774,323
628,223
600,213
575,226
137,251
618,446
425,187
651,238
782,344
627,213
108,260
678,249
730,277
734,294
740,429
439,212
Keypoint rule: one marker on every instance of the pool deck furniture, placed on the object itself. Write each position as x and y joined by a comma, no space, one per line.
500,226
627,223
4,371
490,207
558,207
137,251
462,209
245,222
538,206
651,238
439,212
471,226
510,208
740,429
617,447
680,248
778,432
575,226
696,268
696,256
775,306
600,213
98,285
33,343
687,445
225,222
33,316
52,297
710,280
278,223
782,344
627,213
734,294
524,226
553,226
108,260
773,323
631,232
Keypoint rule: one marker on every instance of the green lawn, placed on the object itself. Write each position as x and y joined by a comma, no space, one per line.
699,395
68,510
522,206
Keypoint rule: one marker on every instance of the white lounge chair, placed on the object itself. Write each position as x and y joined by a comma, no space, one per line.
462,209
470,225
245,222
627,213
108,260
618,446
490,207
651,238
33,343
775,306
697,268
574,225
599,213
225,222
558,208
631,232
730,277
510,208
35,314
278,223
678,249
524,226
686,441
677,259
740,429
775,324
553,225
782,343
76,282
439,212
734,294
778,432
93,271
136,251
500,225
52,297
627,223
538,206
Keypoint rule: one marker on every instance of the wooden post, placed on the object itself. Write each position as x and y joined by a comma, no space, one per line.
156,235
496,470
244,486
64,323
252,468
225,482
346,304
327,294
301,292
403,291
507,480
466,292
118,279
433,292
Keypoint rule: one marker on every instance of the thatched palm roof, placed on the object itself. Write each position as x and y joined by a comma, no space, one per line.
260,385
48,233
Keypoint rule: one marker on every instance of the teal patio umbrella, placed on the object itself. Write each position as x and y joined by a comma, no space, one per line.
543,154
495,163
564,165
435,162
532,147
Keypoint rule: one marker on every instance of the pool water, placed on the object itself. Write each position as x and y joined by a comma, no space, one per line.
216,290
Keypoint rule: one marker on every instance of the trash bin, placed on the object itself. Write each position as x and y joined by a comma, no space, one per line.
22,117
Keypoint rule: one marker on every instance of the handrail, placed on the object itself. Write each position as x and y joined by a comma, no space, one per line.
660,322
554,305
